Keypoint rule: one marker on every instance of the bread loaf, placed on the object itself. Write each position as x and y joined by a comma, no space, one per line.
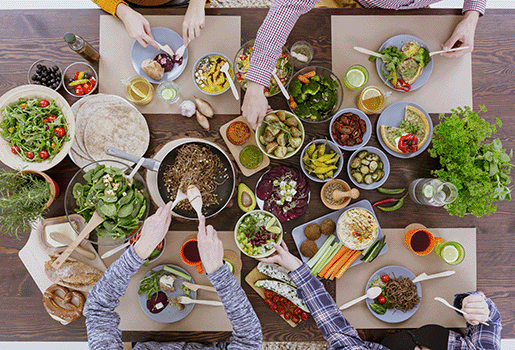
73,274
153,69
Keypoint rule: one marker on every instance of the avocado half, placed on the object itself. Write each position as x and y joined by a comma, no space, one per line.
246,198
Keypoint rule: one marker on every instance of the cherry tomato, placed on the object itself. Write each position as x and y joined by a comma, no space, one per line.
59,132
287,315
281,310
269,294
47,127
268,302
30,155
45,121
297,311
53,145
51,118
87,87
385,278
11,129
304,316
277,298
23,105
283,300
289,304
43,154
15,149
381,299
295,319
43,103
93,81
273,306
76,76
79,91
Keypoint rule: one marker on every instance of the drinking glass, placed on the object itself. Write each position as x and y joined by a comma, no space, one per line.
371,99
356,77
138,89
452,253
434,192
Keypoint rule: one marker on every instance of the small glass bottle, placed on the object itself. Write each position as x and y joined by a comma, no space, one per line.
82,47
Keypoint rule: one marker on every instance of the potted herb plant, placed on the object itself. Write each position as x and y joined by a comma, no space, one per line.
24,198
474,162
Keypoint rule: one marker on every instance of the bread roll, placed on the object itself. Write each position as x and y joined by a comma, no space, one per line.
153,69
73,274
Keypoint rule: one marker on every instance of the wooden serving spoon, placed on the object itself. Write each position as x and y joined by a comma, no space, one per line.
96,220
195,199
63,239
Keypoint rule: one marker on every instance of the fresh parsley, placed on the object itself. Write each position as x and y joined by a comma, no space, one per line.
411,127
479,170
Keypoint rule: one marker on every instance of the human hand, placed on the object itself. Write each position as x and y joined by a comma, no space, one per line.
476,308
194,21
255,104
283,257
136,25
209,246
463,33
153,231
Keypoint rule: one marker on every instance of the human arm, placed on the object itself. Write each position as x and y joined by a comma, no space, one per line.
270,38
329,319
465,30
246,327
479,336
194,21
136,25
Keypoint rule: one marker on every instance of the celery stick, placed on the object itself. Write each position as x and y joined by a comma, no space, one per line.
325,259
311,262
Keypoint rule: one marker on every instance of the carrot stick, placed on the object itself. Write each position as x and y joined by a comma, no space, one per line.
344,268
339,263
335,258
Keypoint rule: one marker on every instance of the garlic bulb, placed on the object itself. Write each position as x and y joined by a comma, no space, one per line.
187,108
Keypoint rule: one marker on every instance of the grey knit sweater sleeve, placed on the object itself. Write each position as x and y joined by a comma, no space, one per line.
102,321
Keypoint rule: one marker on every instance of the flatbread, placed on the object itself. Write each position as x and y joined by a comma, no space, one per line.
121,127
79,160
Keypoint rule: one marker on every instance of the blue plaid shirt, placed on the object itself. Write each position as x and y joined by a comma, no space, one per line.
342,335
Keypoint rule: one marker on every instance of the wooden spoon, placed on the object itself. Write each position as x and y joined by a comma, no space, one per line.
339,195
195,199
96,220
63,239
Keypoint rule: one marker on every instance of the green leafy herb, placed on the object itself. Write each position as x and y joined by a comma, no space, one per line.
479,170
22,198
411,127
150,284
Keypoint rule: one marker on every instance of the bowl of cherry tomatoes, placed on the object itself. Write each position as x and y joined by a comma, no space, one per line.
80,79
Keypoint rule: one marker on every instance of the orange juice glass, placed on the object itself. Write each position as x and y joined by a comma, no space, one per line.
371,99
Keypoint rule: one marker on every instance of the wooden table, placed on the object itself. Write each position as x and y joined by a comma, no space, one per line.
30,35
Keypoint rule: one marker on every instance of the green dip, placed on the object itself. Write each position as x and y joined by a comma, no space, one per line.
251,156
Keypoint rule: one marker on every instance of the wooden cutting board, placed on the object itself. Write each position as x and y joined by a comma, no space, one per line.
254,276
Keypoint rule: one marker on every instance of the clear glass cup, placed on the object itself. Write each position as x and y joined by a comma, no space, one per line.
356,77
434,192
301,53
451,253
138,89
168,92
371,99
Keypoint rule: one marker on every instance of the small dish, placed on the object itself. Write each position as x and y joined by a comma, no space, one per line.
356,219
204,63
36,66
69,76
329,146
365,136
326,194
384,160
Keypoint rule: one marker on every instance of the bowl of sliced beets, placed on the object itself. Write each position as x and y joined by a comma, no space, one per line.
283,191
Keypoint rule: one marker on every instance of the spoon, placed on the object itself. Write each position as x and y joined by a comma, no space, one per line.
115,250
187,300
372,293
225,70
195,199
281,86
443,301
63,239
339,195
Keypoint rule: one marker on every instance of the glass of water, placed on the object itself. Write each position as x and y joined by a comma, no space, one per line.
434,192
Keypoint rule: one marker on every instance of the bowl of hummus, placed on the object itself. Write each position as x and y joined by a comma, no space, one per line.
357,228
208,76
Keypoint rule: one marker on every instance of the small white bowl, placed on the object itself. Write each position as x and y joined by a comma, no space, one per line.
195,67
329,146
366,135
278,239
382,157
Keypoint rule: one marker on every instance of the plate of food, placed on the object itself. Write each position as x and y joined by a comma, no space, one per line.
158,292
281,134
406,64
400,297
156,65
256,232
208,76
283,191
368,167
284,67
405,128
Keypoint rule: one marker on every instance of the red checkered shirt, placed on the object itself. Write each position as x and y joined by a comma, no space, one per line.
283,15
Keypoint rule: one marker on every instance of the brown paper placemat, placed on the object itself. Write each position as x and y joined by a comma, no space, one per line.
450,84
202,318
353,283
221,34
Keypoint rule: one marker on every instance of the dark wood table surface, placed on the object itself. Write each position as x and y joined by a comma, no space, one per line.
27,36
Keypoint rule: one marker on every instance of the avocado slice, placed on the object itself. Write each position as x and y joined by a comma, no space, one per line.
246,198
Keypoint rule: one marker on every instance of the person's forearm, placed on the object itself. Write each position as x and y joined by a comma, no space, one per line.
478,6
101,319
272,35
109,6
247,329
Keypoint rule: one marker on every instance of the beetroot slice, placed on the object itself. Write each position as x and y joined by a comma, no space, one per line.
156,298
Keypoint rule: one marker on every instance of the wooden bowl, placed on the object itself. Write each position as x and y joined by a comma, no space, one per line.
346,201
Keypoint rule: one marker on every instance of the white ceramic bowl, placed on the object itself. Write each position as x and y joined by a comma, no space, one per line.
278,238
382,157
329,146
195,67
366,135
352,245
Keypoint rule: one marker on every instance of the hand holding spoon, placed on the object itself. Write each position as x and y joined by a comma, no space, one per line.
443,301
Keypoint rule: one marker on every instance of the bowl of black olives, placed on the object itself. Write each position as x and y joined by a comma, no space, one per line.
45,72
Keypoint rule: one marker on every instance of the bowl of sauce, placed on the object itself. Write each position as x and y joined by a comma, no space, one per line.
251,157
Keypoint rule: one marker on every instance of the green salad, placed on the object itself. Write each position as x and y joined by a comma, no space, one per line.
35,129
257,233
120,204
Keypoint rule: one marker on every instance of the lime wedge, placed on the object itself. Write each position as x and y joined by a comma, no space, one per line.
270,223
371,93
355,77
428,191
230,266
274,229
450,254
138,91
168,94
